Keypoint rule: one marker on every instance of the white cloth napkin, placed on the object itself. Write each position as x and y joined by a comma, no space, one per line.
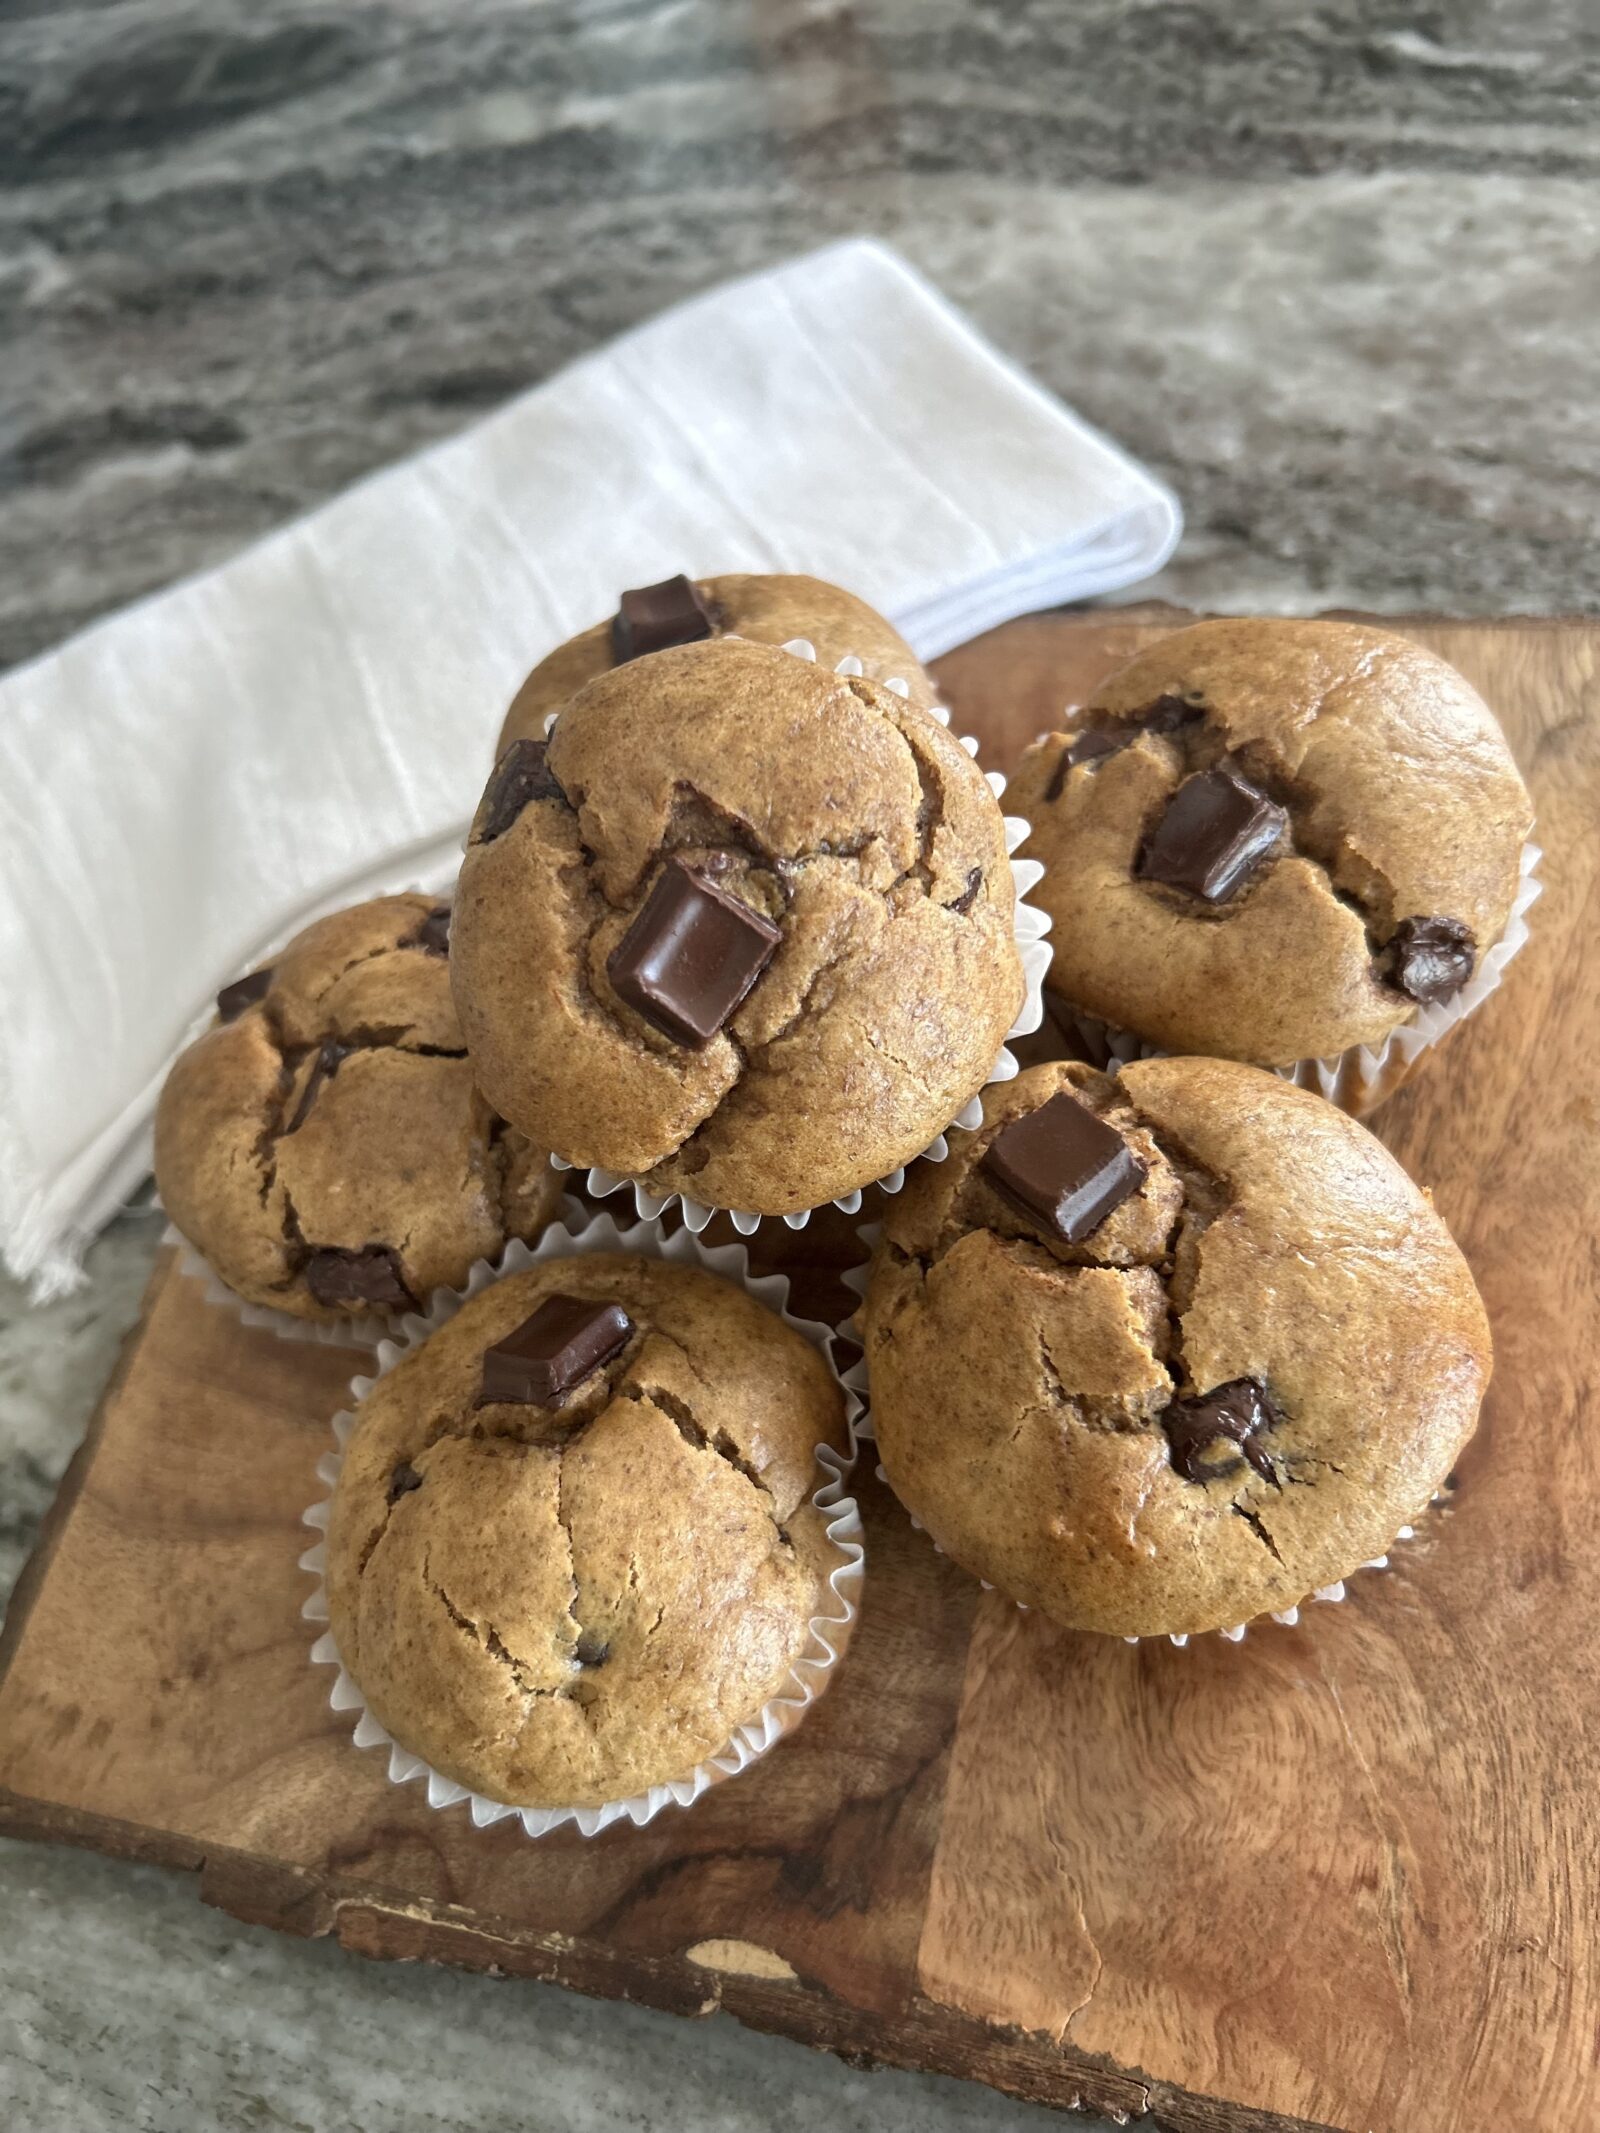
185,784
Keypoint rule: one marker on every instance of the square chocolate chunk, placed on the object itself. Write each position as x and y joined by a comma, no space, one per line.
566,1339
657,616
1215,832
691,955
1064,1167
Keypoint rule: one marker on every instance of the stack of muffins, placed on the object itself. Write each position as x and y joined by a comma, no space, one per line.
1154,1343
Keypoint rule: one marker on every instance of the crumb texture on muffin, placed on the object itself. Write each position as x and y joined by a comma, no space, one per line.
1402,804
327,1137
1043,1407
770,608
561,1606
826,805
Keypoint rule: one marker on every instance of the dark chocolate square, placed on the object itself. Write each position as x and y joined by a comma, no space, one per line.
540,1361
1215,832
691,955
1064,1167
343,1279
658,616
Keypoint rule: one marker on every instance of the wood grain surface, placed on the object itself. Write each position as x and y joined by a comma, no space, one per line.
1342,1875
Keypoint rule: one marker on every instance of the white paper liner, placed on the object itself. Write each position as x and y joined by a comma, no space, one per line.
1031,927
1347,1078
330,1333
830,1633
857,1380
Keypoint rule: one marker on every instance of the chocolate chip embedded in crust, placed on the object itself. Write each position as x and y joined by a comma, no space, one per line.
242,993
969,895
1064,1167
338,1278
433,935
657,616
403,1480
1431,959
1166,715
521,775
538,1363
1215,832
591,1650
327,1065
691,955
1238,1413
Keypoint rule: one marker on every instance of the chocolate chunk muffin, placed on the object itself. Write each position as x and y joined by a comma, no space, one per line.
1162,1352
572,1548
772,610
323,1145
1274,840
742,930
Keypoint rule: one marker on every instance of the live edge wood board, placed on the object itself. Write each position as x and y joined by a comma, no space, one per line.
1340,1875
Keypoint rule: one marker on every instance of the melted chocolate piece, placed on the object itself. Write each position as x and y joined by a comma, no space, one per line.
1431,958
1215,832
1238,1412
521,775
591,1650
403,1480
1165,715
338,1278
433,935
539,1362
969,895
1064,1167
691,955
327,1065
657,616
242,993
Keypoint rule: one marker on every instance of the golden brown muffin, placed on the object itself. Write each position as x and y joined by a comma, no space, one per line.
768,609
1233,1389
563,1605
323,1145
820,808
1390,839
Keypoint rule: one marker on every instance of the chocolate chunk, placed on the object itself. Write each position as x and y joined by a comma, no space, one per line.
1215,832
969,895
1166,715
1064,1167
1431,958
242,993
691,955
657,616
520,775
340,1278
326,1066
566,1338
1239,1412
403,1480
433,935
591,1650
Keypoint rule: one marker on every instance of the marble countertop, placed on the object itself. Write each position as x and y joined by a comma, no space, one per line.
1330,271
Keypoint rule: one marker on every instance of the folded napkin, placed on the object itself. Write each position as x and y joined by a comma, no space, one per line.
186,784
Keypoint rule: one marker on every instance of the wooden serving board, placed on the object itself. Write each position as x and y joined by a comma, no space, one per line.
1341,1875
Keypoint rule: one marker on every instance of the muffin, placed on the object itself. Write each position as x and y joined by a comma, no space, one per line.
323,1145
767,609
742,930
1159,1353
1274,840
572,1547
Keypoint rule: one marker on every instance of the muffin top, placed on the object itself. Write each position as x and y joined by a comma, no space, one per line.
742,929
1272,840
559,1598
323,1145
1256,1358
767,609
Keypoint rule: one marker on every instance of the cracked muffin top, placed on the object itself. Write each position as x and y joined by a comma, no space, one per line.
742,929
1162,1352
323,1145
566,1566
1273,840
767,609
